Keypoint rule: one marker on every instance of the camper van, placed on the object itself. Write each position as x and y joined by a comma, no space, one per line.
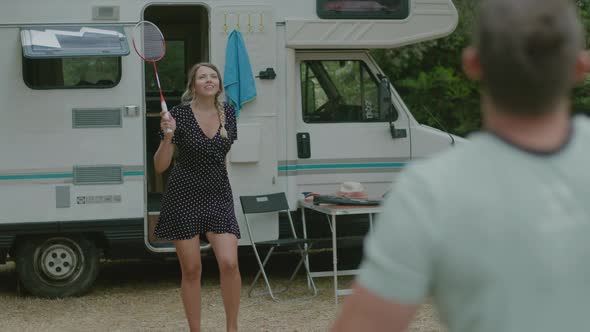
80,116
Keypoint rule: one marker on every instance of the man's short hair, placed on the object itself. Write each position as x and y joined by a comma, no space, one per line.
528,51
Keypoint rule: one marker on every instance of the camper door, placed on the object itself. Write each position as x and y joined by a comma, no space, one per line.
252,161
342,132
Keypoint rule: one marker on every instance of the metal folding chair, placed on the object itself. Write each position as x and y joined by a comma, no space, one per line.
268,204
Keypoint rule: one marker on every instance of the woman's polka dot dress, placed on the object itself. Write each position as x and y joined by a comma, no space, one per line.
198,198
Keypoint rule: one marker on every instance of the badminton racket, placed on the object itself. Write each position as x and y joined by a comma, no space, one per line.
150,45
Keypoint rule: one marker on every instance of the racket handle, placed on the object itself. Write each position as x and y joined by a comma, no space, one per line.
164,106
166,115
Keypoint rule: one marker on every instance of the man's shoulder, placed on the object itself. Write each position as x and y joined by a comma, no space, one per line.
458,166
458,156
582,124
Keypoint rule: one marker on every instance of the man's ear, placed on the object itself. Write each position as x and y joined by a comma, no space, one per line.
471,63
582,67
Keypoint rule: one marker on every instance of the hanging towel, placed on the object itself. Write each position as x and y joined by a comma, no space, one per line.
238,80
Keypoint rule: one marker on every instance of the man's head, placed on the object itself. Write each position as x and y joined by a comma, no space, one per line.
527,53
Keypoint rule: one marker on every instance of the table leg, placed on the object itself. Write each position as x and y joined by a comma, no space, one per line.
305,245
335,259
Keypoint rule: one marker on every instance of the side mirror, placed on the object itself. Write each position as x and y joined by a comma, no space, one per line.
385,103
386,106
397,133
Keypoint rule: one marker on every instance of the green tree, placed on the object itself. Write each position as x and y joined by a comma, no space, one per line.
434,69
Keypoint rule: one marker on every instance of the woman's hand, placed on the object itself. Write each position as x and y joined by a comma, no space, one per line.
167,124
163,156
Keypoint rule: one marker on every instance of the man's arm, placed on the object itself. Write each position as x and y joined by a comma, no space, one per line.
365,311
397,269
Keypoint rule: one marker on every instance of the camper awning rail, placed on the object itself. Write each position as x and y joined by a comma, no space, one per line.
59,41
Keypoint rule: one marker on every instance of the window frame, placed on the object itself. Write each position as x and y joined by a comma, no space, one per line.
45,52
31,58
401,14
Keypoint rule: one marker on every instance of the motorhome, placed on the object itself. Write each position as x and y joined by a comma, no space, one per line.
80,115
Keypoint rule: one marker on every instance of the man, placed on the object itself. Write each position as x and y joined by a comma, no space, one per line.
497,231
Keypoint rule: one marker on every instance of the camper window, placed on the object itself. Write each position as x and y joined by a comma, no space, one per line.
339,91
73,56
73,41
363,9
75,73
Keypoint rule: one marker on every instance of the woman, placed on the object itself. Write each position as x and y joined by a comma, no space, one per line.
198,200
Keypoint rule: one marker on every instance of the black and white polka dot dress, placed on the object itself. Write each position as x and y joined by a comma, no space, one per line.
198,198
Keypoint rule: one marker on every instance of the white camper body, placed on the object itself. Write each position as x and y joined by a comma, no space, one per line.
79,129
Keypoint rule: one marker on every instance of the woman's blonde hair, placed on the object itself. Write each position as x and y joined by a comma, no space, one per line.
189,94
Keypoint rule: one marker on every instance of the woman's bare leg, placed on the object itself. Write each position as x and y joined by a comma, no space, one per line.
225,247
189,256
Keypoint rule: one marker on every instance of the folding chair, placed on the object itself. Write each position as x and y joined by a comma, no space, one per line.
267,204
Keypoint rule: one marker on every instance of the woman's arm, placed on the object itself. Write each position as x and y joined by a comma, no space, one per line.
163,157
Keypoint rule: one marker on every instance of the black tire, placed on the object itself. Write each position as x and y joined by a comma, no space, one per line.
56,267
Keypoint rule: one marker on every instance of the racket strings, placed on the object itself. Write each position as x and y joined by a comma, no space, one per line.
153,47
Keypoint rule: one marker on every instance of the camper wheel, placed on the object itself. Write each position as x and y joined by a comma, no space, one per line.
57,266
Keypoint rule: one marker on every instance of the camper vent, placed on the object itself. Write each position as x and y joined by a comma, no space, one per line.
100,13
98,175
97,118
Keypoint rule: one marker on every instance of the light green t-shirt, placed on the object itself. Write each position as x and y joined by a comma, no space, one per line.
498,236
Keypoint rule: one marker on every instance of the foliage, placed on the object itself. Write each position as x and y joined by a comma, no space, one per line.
433,69
581,95
89,70
170,70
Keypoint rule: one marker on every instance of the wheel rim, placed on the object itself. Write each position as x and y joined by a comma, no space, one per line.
59,260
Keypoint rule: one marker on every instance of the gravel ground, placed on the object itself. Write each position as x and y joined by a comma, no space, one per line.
144,296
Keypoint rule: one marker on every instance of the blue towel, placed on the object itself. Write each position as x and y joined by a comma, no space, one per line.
238,80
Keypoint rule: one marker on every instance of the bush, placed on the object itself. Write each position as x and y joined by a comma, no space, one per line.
434,69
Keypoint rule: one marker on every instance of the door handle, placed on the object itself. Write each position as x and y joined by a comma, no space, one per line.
303,146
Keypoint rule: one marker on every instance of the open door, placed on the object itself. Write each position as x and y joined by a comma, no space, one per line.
186,30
